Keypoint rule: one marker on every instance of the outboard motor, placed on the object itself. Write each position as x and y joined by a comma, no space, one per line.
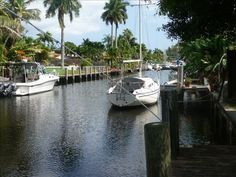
1,89
8,89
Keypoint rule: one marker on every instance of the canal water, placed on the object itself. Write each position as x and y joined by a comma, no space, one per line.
73,131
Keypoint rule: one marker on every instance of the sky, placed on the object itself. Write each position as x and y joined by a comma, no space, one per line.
90,25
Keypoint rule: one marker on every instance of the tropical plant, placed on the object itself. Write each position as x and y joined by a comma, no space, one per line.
172,53
92,50
203,57
46,38
19,7
127,44
158,56
61,8
115,13
70,48
107,41
191,19
28,48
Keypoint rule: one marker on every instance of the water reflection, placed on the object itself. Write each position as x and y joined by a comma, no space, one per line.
194,120
73,131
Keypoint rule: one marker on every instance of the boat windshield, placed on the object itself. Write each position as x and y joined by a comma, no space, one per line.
131,84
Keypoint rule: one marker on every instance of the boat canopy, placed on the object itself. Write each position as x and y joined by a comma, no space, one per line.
132,83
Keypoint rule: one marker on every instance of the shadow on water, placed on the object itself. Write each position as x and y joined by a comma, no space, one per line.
121,124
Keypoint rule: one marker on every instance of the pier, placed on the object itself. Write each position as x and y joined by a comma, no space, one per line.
80,74
209,160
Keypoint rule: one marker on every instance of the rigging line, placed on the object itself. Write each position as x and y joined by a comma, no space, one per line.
109,78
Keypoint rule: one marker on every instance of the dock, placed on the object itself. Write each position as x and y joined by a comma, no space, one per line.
86,73
216,159
205,161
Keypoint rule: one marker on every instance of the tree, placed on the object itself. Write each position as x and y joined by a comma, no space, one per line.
19,7
8,30
172,52
191,19
107,41
158,55
127,44
92,50
115,13
203,56
70,48
120,15
46,38
62,7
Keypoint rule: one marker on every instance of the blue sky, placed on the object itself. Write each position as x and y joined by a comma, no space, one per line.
90,25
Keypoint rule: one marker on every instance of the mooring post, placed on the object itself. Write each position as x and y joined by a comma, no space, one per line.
169,114
86,73
180,76
158,151
91,72
80,74
66,75
174,123
73,74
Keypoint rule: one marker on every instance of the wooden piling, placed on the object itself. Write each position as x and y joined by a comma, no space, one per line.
231,63
73,75
66,75
80,74
180,76
170,115
158,151
86,73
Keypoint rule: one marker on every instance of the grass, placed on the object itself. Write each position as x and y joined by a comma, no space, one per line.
62,72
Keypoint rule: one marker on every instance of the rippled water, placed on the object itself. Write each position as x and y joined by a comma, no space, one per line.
72,131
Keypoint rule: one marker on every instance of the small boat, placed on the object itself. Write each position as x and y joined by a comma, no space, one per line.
134,91
25,79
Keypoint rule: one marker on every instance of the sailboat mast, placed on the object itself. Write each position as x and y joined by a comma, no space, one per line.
140,40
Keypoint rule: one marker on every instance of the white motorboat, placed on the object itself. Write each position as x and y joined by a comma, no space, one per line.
25,79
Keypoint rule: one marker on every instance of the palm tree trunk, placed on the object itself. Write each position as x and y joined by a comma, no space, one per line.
62,47
116,36
112,35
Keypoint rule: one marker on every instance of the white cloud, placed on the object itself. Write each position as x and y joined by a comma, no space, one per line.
90,25
89,21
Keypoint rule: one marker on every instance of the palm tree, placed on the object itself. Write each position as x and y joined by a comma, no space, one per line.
115,13
46,38
62,7
8,30
19,7
120,16
15,10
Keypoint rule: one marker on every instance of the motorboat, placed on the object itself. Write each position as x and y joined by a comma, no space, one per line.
134,91
25,78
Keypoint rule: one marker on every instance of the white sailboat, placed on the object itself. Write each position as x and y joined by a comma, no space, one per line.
135,91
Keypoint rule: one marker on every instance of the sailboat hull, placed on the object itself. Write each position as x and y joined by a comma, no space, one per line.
125,100
122,97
